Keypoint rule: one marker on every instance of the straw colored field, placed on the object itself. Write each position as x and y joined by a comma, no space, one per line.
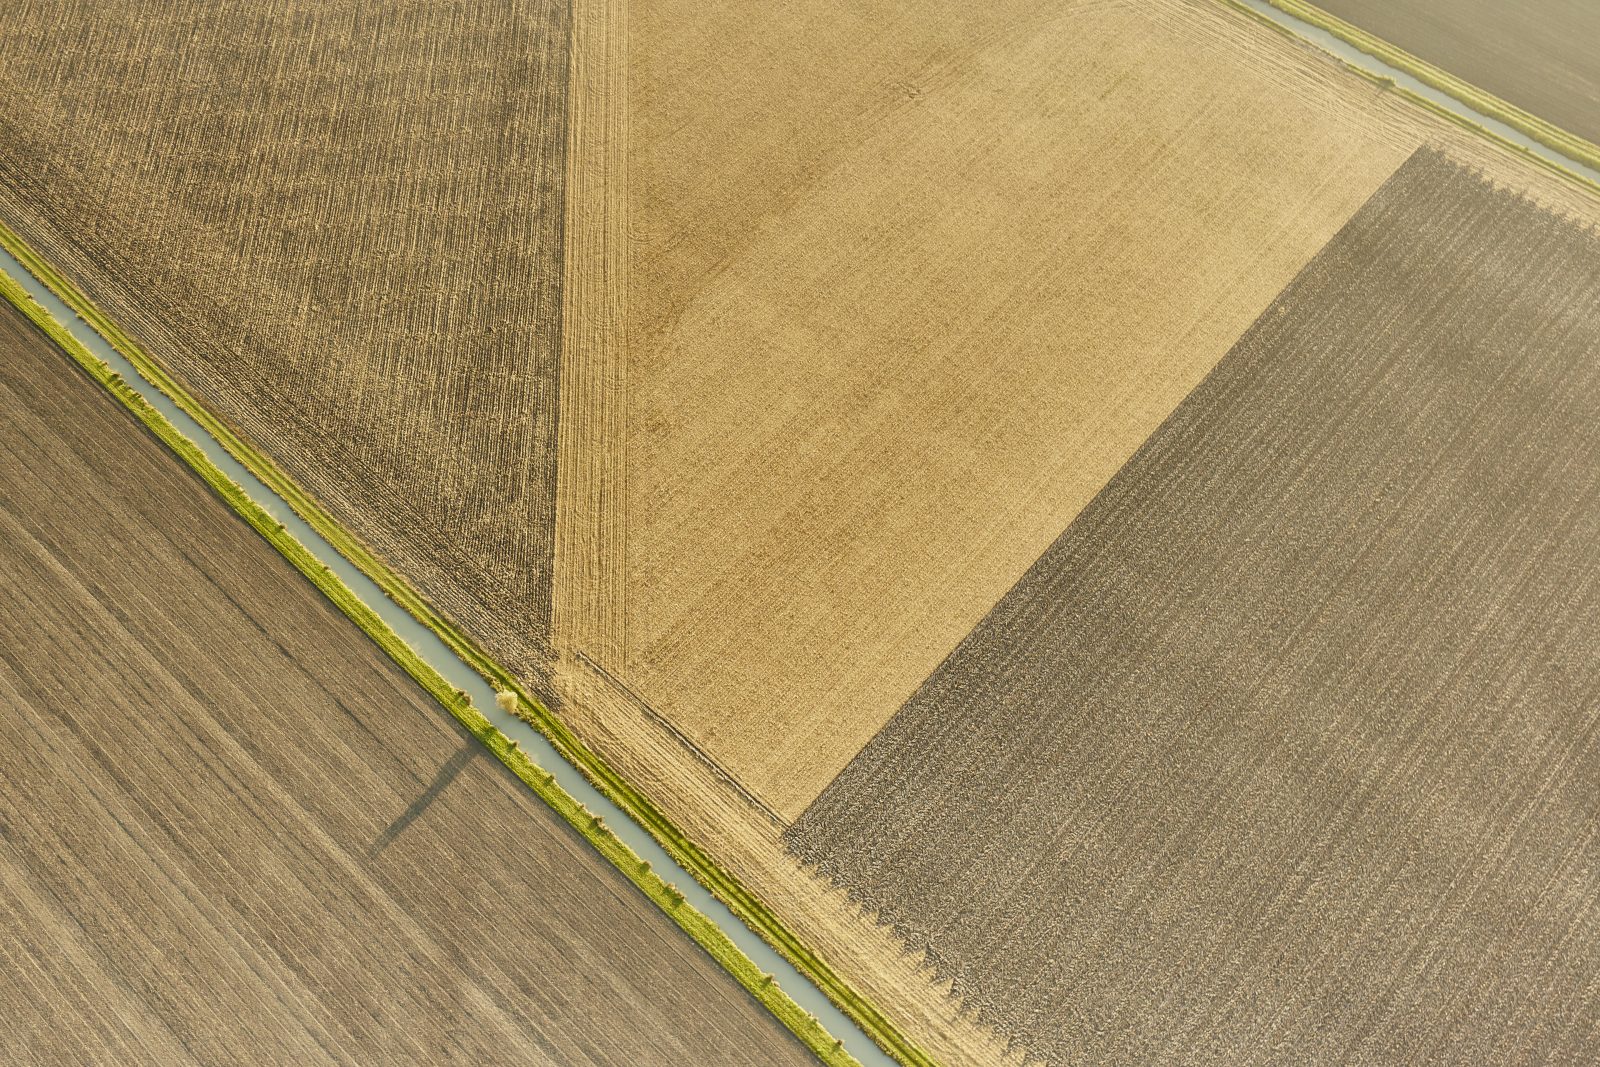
1541,55
951,267
340,226
1288,750
862,306
231,831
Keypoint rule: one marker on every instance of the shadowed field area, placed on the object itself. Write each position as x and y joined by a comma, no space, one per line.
1541,55
232,831
1287,750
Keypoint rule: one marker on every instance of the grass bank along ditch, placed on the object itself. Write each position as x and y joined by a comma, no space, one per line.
1440,91
233,830
340,225
1540,58
469,698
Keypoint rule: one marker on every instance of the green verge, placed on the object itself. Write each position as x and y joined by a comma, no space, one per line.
666,896
723,885
1484,103
728,889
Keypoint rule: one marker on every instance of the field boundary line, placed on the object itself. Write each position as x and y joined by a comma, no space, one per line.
591,473
1479,100
700,755
1467,94
722,884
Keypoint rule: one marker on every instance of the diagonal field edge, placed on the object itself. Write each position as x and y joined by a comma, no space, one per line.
696,924
1487,104
723,885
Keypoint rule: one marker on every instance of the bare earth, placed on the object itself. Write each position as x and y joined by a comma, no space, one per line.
1541,55
233,832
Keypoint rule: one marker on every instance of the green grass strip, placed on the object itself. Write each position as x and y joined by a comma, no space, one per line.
666,896
728,889
737,897
1485,103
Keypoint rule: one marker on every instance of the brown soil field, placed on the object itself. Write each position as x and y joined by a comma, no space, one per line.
1288,750
232,831
341,228
860,306
1541,55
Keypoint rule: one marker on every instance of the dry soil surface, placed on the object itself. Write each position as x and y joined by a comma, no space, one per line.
233,832
340,225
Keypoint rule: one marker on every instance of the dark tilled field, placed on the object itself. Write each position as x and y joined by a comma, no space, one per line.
1286,751
1541,55
233,832
340,225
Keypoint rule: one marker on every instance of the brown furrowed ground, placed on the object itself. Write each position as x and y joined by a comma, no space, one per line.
232,831
340,227
863,305
1288,750
1541,55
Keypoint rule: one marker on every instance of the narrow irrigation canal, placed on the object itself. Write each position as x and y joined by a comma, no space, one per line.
442,659
1353,56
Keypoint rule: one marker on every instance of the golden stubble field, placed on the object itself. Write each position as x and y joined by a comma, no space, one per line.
864,400
232,831
868,318
859,305
876,356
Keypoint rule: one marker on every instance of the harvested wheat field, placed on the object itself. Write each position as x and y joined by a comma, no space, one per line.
1289,747
340,225
861,307
231,831
872,365
1541,55
951,269
866,397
